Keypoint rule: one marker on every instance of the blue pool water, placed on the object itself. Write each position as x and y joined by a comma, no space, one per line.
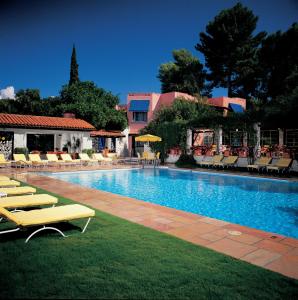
267,204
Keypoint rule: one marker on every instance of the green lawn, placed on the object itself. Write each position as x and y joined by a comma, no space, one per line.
119,259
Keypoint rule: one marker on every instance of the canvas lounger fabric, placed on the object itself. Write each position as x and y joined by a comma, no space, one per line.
9,183
27,201
215,159
21,190
261,162
99,157
20,160
45,216
3,161
228,162
53,159
36,160
4,178
282,165
85,158
67,158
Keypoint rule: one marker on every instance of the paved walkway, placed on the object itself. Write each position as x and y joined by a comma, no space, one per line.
270,251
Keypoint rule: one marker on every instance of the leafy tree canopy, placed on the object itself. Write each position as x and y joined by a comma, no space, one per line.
230,50
185,75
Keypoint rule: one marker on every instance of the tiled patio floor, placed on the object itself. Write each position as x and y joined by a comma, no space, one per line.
271,251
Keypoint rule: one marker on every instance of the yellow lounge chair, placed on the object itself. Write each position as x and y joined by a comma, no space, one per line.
27,201
260,163
20,190
3,161
4,178
20,160
86,159
215,160
99,157
9,183
282,165
230,161
67,159
36,160
45,216
53,160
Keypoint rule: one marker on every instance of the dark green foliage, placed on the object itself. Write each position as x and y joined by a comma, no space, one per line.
186,160
92,104
185,75
88,151
230,50
20,150
117,259
74,68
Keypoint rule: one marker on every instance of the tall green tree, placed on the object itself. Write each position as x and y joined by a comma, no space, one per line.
74,68
92,104
185,74
230,50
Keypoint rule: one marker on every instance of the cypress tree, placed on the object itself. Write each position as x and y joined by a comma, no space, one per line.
74,68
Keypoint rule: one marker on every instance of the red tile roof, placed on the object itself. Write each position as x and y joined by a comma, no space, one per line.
105,133
43,122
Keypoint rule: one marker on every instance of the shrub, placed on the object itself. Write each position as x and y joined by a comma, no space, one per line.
88,151
21,150
186,160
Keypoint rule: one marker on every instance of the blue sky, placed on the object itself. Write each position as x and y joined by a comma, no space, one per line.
120,44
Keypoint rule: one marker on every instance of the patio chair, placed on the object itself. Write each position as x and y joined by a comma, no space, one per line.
53,160
230,161
260,163
215,160
45,216
37,161
99,157
17,202
86,159
3,161
9,183
20,190
283,164
67,159
20,160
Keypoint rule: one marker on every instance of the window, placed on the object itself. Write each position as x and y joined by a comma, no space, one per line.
236,138
140,116
208,138
292,137
40,142
269,137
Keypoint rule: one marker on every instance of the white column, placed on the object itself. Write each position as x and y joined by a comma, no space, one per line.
280,137
257,149
219,139
188,141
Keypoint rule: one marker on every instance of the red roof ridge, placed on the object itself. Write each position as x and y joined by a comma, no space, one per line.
30,121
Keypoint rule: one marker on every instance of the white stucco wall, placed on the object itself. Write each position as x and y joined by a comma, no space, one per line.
61,137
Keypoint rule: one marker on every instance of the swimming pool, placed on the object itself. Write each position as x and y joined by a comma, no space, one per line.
266,204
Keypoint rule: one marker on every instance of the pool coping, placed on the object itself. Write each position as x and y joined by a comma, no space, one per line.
268,250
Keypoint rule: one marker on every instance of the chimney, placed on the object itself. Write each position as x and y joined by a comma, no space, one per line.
69,115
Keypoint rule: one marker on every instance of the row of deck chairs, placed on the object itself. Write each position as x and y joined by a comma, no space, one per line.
20,160
261,164
15,198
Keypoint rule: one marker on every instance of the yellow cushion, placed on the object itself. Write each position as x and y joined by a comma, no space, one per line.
51,215
4,178
28,200
9,183
18,190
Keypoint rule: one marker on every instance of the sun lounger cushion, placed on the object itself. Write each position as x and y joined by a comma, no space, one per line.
9,183
18,190
4,178
27,201
49,215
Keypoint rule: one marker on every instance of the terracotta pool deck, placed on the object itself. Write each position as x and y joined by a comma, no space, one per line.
271,251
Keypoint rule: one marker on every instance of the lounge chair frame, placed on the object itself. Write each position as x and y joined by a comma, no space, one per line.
44,227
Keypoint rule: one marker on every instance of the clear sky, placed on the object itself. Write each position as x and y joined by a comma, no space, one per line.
120,43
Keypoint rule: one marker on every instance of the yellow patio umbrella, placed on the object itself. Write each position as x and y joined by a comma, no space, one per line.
148,138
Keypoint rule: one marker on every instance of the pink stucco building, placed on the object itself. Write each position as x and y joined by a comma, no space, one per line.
141,108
